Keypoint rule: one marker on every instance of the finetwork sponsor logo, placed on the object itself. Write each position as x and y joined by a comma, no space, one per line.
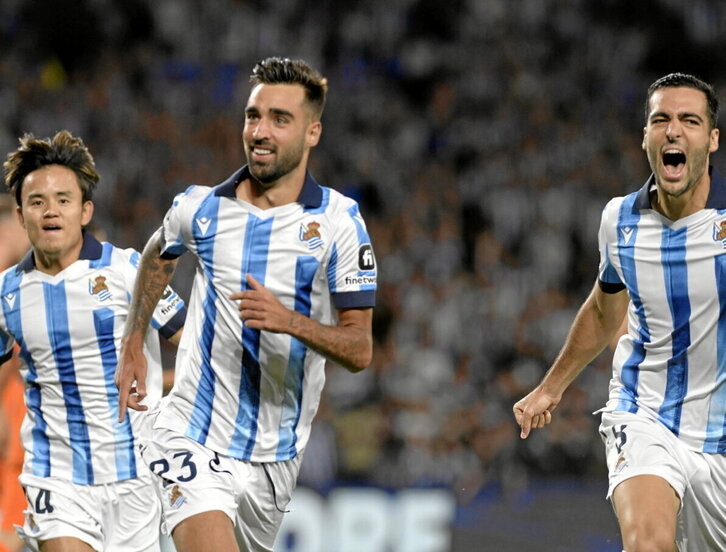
360,280
366,260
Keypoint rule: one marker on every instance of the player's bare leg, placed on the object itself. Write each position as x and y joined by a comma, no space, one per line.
647,508
206,532
65,544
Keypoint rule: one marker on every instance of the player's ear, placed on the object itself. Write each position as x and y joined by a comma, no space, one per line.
312,137
713,144
19,214
86,212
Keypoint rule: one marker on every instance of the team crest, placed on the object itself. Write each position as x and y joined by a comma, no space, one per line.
176,498
719,232
99,288
311,235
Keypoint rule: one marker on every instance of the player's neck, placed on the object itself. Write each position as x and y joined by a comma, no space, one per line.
267,196
684,205
52,264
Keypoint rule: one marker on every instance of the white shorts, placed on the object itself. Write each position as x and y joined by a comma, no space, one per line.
113,517
194,479
636,444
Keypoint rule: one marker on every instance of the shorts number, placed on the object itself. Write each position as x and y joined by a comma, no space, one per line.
42,502
161,467
620,437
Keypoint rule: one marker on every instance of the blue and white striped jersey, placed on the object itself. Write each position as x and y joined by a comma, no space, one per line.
244,393
672,363
69,327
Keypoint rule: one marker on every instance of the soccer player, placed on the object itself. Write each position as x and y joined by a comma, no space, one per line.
286,278
64,304
663,261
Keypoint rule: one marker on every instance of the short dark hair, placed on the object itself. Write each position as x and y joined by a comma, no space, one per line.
277,70
63,149
673,80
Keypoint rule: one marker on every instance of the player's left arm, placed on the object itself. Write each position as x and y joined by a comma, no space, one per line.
349,343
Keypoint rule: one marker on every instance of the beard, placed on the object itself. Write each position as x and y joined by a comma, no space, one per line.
697,166
269,173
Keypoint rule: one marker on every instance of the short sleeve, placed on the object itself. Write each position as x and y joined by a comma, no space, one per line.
608,276
352,270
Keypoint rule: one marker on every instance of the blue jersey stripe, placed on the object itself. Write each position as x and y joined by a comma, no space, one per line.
716,428
60,339
201,416
103,321
627,230
673,250
254,261
305,272
33,399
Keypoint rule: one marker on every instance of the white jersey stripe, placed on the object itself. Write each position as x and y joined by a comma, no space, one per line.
203,234
627,236
716,428
124,447
60,339
33,398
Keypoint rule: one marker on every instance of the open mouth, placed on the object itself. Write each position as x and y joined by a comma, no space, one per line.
674,162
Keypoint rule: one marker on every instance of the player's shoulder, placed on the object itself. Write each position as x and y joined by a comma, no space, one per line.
338,203
114,256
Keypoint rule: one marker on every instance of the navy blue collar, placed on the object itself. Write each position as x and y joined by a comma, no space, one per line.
90,250
311,194
716,195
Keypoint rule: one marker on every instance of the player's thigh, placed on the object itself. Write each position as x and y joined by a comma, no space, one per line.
65,544
646,505
211,530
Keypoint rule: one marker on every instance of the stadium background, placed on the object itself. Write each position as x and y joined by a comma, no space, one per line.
482,139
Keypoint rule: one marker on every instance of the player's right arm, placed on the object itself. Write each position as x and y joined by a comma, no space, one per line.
153,277
597,322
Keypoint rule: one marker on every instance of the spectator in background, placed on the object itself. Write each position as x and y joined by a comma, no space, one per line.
64,304
662,262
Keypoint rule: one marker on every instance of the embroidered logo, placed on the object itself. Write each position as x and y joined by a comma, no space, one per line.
627,233
203,224
311,235
99,288
10,300
176,498
719,232
621,464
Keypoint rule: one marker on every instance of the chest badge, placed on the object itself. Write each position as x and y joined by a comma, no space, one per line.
99,288
310,234
719,232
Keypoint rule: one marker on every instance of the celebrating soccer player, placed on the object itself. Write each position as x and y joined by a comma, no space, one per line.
64,304
285,278
663,262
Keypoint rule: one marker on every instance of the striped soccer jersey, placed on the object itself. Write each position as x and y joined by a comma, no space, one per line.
69,328
244,393
671,365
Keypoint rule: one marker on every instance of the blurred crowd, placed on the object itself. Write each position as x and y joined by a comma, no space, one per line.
482,139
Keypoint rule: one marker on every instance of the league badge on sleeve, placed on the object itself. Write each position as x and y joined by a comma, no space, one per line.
366,259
